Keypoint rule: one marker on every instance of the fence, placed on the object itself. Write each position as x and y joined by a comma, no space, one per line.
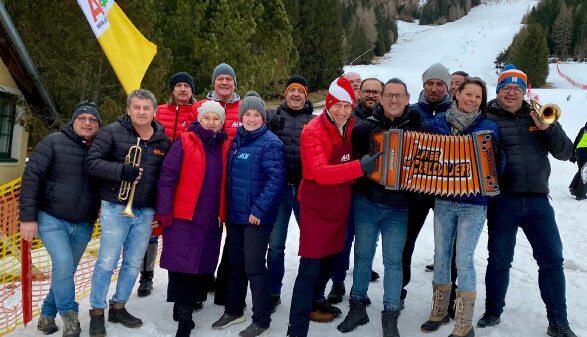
25,268
570,80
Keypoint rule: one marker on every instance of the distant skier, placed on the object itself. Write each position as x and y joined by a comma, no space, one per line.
569,98
579,157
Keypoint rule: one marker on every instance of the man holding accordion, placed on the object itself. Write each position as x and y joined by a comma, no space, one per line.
128,189
523,202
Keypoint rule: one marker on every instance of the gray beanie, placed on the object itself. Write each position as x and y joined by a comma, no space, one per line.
437,71
252,100
211,106
86,107
223,69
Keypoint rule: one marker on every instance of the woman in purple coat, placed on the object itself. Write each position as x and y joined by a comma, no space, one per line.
191,207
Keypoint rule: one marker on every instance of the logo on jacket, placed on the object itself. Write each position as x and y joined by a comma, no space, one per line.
533,128
346,157
243,156
236,124
156,151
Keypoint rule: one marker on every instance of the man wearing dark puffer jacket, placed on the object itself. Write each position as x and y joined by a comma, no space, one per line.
105,161
287,122
59,200
523,203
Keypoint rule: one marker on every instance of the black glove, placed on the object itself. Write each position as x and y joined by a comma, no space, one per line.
130,173
368,162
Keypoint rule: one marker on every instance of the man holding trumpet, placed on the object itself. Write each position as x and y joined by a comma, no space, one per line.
526,140
128,189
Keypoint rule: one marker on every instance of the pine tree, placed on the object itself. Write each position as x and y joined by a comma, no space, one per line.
529,53
562,32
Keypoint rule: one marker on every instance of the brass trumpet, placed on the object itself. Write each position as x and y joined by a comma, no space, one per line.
127,189
548,113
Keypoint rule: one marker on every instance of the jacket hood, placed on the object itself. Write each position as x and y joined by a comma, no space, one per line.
441,106
67,129
158,129
212,95
406,119
493,107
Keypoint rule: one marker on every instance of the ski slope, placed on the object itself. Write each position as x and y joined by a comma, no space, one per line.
470,44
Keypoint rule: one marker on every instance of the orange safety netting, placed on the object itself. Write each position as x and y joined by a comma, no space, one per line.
11,275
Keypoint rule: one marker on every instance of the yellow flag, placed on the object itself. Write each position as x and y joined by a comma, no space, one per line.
127,49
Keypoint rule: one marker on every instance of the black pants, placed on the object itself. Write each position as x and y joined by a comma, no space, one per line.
222,275
313,274
247,248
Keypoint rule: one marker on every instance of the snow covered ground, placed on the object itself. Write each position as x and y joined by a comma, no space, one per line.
470,44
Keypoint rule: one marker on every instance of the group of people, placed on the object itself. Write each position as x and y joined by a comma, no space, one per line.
232,163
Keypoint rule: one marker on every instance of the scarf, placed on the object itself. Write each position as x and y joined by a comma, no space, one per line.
459,121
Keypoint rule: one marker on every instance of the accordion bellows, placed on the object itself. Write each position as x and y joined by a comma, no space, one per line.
435,164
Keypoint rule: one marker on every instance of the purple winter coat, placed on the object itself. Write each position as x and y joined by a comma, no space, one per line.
193,246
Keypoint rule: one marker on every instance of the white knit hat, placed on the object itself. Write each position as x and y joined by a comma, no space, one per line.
211,106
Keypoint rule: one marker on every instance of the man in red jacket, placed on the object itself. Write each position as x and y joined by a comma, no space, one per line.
224,82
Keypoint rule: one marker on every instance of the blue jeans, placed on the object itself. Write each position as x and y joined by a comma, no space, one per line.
65,242
392,221
276,252
465,221
536,218
131,235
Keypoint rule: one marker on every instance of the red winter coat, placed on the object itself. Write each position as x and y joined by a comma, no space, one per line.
175,118
231,108
325,191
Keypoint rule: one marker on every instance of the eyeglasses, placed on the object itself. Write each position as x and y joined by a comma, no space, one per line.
85,119
517,90
374,93
399,96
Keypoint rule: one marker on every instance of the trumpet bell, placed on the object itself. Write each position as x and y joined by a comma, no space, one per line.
549,113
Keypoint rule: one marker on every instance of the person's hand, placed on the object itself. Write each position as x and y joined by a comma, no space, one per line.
28,230
368,162
155,223
131,173
164,219
539,124
253,220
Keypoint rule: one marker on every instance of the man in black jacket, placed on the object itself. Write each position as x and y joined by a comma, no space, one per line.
378,210
106,161
523,203
59,201
287,122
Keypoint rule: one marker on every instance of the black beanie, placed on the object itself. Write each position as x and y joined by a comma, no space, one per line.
181,77
86,107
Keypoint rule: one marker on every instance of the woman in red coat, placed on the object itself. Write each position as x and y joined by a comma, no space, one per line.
325,196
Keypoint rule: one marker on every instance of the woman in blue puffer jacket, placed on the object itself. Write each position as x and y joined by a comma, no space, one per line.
460,217
256,176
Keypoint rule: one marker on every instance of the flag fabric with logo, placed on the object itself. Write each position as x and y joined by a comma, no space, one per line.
125,47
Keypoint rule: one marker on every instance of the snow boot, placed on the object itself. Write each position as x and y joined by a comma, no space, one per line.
336,293
147,267
117,314
451,301
439,311
374,276
47,325
184,317
488,320
560,331
324,312
97,328
357,316
464,309
71,327
389,323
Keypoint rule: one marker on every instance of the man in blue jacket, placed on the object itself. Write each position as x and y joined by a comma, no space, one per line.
523,203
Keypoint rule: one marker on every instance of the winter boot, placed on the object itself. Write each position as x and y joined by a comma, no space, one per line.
438,313
47,325
71,327
464,309
488,320
117,314
324,312
430,267
275,301
389,323
357,316
184,316
560,331
336,293
97,328
253,330
374,276
451,302
147,267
